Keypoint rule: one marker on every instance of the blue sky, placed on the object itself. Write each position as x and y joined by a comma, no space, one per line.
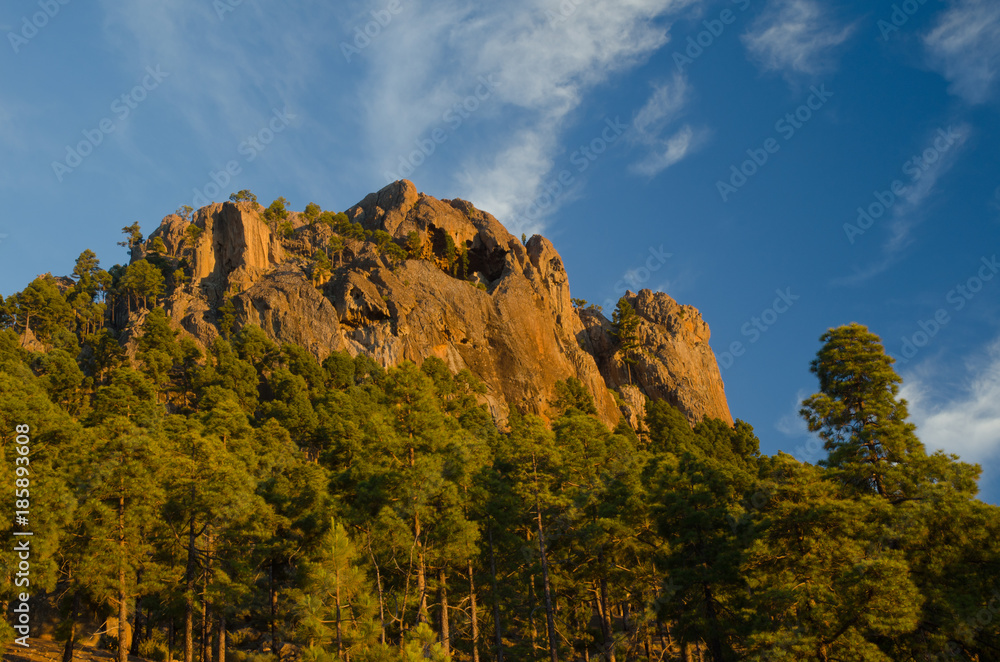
783,165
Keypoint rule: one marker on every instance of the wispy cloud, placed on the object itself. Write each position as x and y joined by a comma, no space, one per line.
964,46
668,152
792,424
226,74
664,106
545,55
908,210
795,36
804,445
968,424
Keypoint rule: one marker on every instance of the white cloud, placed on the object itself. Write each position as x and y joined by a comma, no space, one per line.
502,184
907,208
545,56
964,46
932,164
228,73
664,106
668,152
542,58
808,446
795,36
968,424
792,424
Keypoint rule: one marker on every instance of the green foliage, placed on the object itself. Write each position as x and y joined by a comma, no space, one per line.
461,268
358,511
335,246
276,212
227,318
185,212
192,234
572,395
414,244
339,221
421,644
141,283
858,415
381,238
312,212
244,195
156,245
41,307
625,329
348,229
320,267
133,237
449,250
394,252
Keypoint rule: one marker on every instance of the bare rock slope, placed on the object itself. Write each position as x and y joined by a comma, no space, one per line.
468,292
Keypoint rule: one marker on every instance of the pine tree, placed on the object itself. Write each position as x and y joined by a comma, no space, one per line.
312,212
42,308
141,282
859,416
133,238
625,329
818,588
244,195
123,500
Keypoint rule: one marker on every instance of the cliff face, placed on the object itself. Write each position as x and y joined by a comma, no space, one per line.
675,362
471,294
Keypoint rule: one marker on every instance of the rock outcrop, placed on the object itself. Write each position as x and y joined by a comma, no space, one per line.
674,362
470,293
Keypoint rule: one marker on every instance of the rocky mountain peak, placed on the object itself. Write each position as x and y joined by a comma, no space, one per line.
408,276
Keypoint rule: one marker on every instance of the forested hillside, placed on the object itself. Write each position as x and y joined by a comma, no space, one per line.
251,502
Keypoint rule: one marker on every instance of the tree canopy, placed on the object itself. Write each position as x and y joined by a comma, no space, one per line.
252,499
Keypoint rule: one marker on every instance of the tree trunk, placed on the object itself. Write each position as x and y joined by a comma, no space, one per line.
189,595
71,640
549,613
712,640
24,338
607,625
421,575
445,630
474,614
273,600
220,655
122,588
378,584
206,640
206,616
136,629
340,636
421,568
497,628
630,640
533,605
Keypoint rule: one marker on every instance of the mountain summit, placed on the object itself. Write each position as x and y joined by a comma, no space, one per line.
404,276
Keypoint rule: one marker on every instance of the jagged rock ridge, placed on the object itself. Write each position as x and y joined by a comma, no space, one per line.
472,295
